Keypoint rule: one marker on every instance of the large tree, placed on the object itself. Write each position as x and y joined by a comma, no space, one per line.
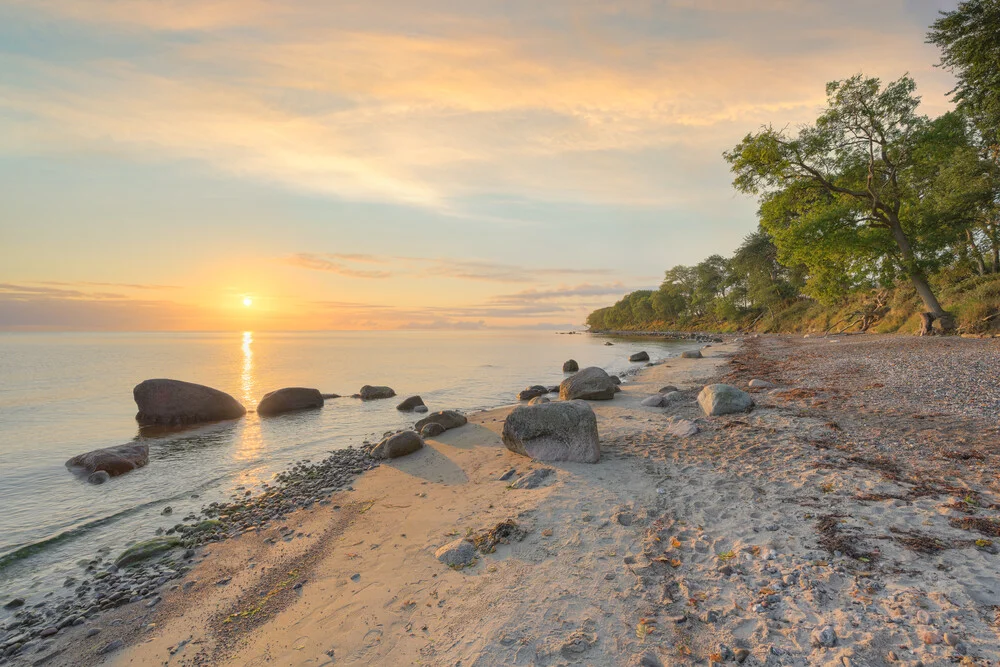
841,192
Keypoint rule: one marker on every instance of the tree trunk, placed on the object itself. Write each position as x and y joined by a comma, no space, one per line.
919,280
976,255
926,324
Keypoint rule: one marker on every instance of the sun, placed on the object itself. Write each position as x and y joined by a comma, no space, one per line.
247,301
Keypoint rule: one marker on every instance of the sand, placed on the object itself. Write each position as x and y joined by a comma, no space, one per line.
805,532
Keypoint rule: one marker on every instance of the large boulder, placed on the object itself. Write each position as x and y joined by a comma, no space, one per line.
449,419
371,393
411,404
288,400
724,399
571,366
174,402
565,431
397,445
112,460
590,384
531,392
639,356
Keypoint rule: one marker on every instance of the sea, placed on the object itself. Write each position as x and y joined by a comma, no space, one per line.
63,394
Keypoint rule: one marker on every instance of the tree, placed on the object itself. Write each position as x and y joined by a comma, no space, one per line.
846,182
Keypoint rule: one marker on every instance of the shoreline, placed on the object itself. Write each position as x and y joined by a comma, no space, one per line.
814,530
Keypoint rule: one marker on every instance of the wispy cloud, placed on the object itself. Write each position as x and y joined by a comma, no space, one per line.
330,264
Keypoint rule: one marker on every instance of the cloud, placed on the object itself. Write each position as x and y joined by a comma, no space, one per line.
561,293
330,264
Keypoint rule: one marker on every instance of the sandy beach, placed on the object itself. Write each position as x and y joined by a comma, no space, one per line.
849,519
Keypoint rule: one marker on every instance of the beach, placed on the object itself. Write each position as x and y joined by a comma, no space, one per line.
848,519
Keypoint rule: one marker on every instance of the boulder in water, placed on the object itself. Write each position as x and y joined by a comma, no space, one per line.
173,402
724,399
99,477
531,392
449,419
564,431
289,399
143,550
371,393
411,404
571,366
639,356
113,461
400,444
590,384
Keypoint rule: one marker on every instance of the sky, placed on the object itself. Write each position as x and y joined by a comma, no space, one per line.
384,164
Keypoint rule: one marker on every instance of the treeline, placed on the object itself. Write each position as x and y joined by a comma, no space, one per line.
872,216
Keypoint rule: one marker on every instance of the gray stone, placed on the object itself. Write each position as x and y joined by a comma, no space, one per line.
112,460
327,397
144,550
571,366
682,428
421,409
668,389
459,553
99,477
565,431
654,401
173,402
411,404
533,479
507,475
431,430
449,419
289,399
14,604
761,384
614,378
112,646
823,637
538,400
590,384
691,354
723,399
397,445
531,392
371,393
639,356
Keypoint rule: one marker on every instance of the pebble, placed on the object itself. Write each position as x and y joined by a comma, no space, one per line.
930,637
93,631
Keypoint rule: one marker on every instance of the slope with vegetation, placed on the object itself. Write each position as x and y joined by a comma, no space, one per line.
873,217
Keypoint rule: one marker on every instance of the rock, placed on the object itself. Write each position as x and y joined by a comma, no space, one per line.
14,604
397,445
411,404
761,384
824,637
538,400
431,430
174,402
930,637
951,639
724,399
590,384
507,475
144,550
99,477
691,354
614,378
327,397
533,479
639,356
669,389
571,366
608,343
421,409
112,646
289,399
565,431
682,428
48,632
457,554
112,460
371,393
741,654
654,401
531,392
449,419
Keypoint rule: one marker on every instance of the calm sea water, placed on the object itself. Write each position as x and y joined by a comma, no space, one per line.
64,394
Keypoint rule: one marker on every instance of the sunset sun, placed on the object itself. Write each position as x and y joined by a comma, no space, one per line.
247,301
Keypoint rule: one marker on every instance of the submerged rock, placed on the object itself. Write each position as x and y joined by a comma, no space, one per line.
174,402
531,392
99,477
571,366
449,419
289,399
144,550
397,445
590,384
411,404
112,461
723,399
639,356
371,393
565,431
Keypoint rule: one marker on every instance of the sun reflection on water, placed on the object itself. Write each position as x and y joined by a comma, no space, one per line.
247,375
250,438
